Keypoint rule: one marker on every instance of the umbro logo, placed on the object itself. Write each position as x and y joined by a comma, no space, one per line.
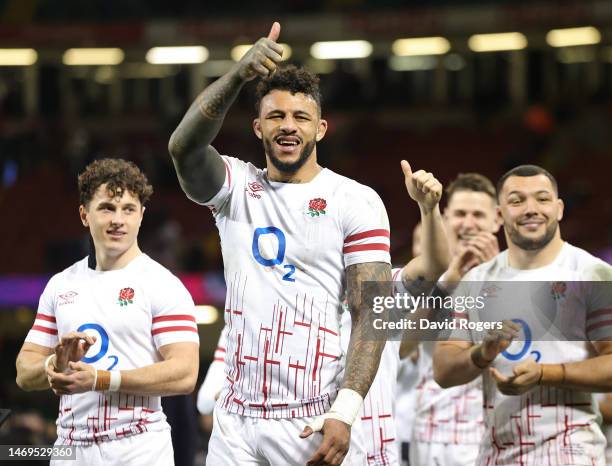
67,298
253,188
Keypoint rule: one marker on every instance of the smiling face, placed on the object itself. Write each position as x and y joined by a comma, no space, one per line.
289,126
468,213
113,222
531,211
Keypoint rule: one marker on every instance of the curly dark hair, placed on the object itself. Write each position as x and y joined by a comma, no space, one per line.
119,175
471,182
289,78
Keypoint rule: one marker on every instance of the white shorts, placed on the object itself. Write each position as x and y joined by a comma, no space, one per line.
245,441
442,454
146,449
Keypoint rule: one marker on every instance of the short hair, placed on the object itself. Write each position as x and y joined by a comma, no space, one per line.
527,170
119,175
471,182
289,78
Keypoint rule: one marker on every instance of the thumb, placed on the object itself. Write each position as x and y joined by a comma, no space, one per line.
498,375
77,366
307,432
274,31
519,369
406,168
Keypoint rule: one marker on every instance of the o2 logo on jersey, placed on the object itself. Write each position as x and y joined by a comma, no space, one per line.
526,345
102,337
262,233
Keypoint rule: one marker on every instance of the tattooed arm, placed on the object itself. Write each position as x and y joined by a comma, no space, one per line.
364,350
426,191
200,169
420,273
362,361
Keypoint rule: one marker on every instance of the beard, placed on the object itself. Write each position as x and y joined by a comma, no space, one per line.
289,167
532,244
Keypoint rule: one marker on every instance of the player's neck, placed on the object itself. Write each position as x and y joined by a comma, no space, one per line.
106,262
525,260
305,174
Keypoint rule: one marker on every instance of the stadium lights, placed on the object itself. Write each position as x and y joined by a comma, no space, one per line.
341,49
238,51
573,36
18,57
177,55
206,315
497,42
420,46
93,56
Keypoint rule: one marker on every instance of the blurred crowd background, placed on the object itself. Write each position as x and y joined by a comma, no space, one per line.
457,102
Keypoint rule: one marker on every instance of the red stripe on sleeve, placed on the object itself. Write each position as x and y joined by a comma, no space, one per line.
45,317
603,323
366,247
174,317
178,328
601,312
367,234
50,331
219,348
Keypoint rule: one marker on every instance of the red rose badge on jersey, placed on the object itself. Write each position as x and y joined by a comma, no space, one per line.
317,207
126,296
558,290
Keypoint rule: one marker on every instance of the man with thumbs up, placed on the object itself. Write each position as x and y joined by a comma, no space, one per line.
295,237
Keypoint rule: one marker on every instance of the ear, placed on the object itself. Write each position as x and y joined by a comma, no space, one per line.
83,216
498,221
561,208
321,130
257,128
499,218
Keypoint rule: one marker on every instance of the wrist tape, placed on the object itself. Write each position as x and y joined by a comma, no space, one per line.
345,409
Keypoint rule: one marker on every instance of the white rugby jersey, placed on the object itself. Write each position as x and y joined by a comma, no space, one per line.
132,312
546,426
215,375
405,399
449,416
285,249
377,413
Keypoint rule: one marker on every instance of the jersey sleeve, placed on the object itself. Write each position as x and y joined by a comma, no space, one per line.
215,376
396,278
365,227
234,177
44,329
599,303
173,316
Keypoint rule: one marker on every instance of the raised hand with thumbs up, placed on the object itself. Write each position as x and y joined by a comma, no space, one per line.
262,59
422,187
